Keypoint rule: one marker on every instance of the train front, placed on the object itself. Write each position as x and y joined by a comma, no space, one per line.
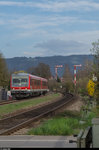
20,85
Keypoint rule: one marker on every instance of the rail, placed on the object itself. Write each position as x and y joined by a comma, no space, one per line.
7,102
11,124
4,102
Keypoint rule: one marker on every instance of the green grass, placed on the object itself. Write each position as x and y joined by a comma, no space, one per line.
56,126
9,108
67,123
63,124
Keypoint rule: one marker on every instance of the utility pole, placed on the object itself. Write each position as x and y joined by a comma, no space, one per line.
75,66
56,67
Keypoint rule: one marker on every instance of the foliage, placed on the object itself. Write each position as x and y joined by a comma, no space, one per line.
95,51
82,91
67,87
86,70
4,75
67,123
82,84
91,88
52,84
68,80
67,76
83,75
97,89
42,70
56,126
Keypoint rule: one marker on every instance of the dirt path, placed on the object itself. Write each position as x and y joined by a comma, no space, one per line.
76,105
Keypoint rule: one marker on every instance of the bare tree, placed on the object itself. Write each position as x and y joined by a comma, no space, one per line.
68,80
4,75
67,76
95,51
86,69
42,70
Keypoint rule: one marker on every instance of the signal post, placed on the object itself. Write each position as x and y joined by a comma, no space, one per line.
75,72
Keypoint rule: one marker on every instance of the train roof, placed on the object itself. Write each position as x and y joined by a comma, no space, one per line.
27,74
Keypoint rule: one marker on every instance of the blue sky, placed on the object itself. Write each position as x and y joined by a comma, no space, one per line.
48,27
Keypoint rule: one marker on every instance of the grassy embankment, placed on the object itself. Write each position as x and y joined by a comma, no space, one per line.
67,123
10,108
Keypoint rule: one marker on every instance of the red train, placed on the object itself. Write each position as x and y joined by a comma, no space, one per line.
27,85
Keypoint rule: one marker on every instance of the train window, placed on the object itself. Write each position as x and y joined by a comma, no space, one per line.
44,83
21,82
24,82
34,82
16,81
38,82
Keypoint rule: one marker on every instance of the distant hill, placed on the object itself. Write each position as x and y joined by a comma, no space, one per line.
23,63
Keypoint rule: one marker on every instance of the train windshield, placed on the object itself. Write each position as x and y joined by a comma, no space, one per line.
20,81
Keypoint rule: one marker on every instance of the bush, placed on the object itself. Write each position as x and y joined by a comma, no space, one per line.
68,86
82,91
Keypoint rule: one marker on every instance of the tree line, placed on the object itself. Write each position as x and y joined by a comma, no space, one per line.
43,70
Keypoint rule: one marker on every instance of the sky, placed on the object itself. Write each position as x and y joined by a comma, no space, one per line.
38,28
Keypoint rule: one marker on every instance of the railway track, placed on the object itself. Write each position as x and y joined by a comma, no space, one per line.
7,102
15,101
14,123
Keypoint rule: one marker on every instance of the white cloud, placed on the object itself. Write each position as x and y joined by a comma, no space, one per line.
74,32
61,46
56,5
32,22
66,44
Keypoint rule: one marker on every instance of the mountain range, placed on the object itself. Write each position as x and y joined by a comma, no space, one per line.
24,63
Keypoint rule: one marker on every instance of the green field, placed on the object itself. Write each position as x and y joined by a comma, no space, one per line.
13,107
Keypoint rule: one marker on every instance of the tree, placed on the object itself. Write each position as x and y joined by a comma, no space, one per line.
31,70
84,73
68,80
52,84
4,75
86,69
43,70
95,51
67,76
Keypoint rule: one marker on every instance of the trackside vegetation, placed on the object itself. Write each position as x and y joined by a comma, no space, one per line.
67,123
10,108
